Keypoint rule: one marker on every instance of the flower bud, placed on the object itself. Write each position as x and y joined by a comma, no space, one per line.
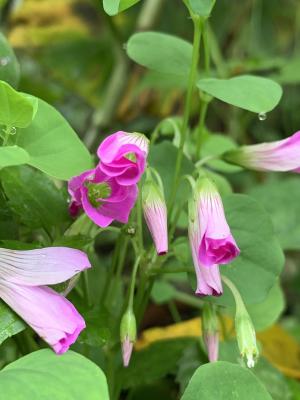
155,213
217,245
281,155
246,337
127,335
210,331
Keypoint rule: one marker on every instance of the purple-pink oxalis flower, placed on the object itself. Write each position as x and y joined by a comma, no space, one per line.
217,245
208,278
102,198
282,155
109,191
23,276
123,156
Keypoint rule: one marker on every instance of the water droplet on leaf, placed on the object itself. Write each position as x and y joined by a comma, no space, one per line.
4,61
262,116
13,130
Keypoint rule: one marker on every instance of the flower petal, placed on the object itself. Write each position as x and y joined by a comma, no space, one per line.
46,266
49,314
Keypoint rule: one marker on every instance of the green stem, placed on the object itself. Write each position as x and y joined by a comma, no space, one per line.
174,311
6,136
122,257
132,283
206,48
236,294
188,299
86,288
187,109
200,128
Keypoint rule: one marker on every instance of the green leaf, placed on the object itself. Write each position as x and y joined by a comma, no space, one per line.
34,198
53,146
162,157
271,378
12,155
44,375
162,292
96,332
223,381
9,66
17,110
256,269
203,8
266,313
160,52
281,199
10,323
113,7
252,93
216,145
154,362
289,73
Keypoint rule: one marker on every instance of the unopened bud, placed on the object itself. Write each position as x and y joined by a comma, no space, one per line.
210,331
127,335
155,213
246,337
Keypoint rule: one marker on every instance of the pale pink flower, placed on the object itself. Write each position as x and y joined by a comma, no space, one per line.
23,275
208,278
217,245
282,155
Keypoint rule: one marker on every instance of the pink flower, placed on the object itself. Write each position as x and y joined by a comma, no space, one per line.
23,275
208,278
282,155
123,156
155,213
217,245
102,197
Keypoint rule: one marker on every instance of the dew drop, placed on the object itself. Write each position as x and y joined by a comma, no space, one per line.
262,116
13,130
4,61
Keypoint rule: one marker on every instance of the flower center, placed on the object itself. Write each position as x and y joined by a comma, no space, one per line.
97,191
131,157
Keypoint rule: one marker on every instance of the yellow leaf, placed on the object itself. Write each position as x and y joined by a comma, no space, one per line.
278,346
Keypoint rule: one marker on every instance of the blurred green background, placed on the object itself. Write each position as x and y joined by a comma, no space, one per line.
73,55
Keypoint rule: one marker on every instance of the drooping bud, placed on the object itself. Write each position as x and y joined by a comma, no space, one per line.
244,328
155,213
217,245
246,337
281,155
210,331
127,335
208,278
